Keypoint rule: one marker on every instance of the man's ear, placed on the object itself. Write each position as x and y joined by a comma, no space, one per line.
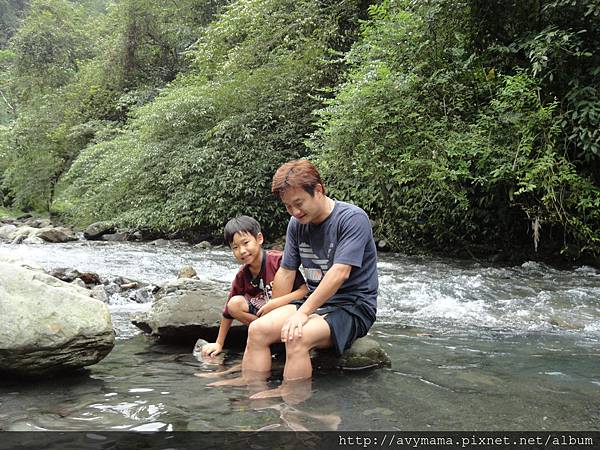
319,189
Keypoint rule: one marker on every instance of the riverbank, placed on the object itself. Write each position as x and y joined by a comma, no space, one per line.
551,255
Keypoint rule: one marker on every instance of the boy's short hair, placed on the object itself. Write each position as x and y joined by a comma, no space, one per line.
296,174
240,224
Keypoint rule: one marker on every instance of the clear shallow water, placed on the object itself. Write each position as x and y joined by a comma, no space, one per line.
472,348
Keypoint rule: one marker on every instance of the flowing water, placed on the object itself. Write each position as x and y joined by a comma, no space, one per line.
473,347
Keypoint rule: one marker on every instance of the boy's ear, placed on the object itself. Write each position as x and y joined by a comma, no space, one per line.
260,238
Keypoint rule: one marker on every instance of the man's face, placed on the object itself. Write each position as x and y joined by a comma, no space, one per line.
303,206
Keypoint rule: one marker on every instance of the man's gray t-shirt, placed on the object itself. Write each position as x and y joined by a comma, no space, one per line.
344,237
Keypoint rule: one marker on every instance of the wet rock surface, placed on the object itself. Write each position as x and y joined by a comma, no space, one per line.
48,325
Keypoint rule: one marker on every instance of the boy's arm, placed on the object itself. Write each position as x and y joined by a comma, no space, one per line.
215,348
298,294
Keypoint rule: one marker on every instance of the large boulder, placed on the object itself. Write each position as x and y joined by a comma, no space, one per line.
48,325
98,229
56,235
187,309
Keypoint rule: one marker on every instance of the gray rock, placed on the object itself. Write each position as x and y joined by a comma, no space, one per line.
59,234
48,325
39,223
143,295
98,229
188,309
382,245
99,293
7,232
203,245
160,243
187,272
78,282
365,353
116,237
65,274
112,288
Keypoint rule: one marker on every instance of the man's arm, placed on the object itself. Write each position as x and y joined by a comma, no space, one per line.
329,285
283,282
298,294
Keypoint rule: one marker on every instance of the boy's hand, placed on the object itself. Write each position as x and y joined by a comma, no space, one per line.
266,308
212,349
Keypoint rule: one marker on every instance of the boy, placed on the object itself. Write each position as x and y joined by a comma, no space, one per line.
250,294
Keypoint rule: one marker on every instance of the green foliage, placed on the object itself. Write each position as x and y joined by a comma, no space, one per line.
10,11
72,74
48,47
206,148
444,152
468,124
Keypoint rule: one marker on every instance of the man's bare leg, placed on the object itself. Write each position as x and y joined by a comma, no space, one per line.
315,334
298,367
233,369
264,331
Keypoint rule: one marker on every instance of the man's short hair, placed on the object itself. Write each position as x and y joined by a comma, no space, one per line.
296,174
240,224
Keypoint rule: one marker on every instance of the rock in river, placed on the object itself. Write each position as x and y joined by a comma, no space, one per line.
47,325
187,309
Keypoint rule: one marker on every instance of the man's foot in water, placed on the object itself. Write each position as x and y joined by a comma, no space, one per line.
233,369
240,381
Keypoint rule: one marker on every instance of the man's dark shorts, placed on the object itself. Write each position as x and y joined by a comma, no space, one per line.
347,322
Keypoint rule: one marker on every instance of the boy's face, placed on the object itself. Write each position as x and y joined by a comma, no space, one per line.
246,248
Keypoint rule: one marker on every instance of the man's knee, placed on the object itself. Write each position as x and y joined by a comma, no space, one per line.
260,332
297,347
315,334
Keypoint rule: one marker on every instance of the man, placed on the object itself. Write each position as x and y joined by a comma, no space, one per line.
333,241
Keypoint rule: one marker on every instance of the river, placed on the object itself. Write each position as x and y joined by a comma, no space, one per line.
473,347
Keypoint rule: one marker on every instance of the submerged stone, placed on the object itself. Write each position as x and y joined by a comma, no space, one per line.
365,353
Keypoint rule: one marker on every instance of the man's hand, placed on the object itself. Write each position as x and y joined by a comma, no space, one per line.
266,308
212,349
292,328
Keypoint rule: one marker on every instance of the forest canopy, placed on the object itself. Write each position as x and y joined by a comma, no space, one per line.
468,127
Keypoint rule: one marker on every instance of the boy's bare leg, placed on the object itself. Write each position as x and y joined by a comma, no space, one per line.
238,308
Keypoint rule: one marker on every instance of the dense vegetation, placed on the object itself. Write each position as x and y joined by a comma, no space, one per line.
467,126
